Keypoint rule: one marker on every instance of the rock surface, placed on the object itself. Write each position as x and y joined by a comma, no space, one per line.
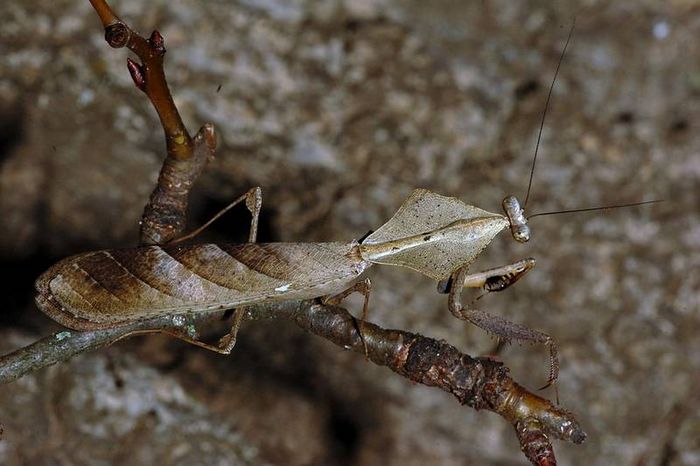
338,109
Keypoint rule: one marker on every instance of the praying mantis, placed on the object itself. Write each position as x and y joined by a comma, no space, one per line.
435,235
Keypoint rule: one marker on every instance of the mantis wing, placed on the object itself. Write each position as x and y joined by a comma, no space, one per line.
433,234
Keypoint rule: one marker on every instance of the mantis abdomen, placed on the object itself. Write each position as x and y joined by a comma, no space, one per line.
117,287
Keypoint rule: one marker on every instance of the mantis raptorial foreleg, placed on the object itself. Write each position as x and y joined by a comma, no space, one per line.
253,201
498,326
495,279
363,287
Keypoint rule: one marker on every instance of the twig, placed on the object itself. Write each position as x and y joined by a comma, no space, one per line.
61,346
480,383
165,216
148,76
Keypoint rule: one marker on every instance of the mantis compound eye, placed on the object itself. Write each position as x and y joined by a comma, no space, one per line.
516,216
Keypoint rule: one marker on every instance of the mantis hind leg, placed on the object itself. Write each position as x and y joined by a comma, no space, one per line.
363,287
253,201
500,327
187,332
223,346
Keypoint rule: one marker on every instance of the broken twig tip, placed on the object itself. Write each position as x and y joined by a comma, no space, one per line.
209,134
578,436
534,442
117,35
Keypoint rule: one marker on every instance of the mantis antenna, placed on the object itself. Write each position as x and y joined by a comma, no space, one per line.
521,225
511,206
546,106
590,209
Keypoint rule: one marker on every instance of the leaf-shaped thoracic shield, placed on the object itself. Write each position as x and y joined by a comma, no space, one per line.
433,235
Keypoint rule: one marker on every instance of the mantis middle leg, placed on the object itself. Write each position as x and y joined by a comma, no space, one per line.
499,326
253,201
364,287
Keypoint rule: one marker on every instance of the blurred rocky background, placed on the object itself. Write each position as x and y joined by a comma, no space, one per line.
338,109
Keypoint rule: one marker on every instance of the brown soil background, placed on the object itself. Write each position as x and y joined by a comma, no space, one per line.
338,110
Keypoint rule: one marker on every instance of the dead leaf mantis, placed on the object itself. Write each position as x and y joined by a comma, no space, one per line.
432,234
435,235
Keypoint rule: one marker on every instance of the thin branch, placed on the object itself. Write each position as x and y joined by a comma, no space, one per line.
64,345
480,383
105,13
148,76
165,216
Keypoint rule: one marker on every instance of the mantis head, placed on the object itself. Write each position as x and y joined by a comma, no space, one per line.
516,218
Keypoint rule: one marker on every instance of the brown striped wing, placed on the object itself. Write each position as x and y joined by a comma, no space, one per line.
113,287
